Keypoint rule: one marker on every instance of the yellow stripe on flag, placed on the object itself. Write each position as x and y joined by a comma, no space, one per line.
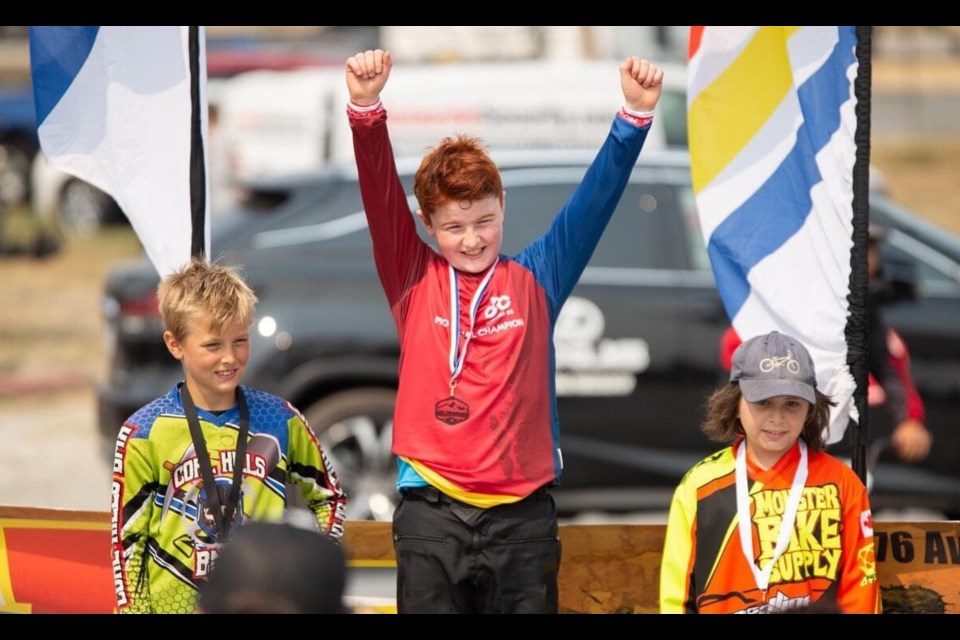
729,113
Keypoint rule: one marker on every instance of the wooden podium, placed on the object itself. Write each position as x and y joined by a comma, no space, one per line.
54,561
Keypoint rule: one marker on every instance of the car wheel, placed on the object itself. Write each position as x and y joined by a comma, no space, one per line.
355,428
84,208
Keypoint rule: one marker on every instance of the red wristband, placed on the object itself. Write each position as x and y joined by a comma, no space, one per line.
360,112
636,121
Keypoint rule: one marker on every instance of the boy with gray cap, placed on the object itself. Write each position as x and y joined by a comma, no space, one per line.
772,522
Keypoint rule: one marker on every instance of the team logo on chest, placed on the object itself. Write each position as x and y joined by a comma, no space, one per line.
498,316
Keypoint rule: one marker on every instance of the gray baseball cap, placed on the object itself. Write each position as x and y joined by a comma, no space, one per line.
774,364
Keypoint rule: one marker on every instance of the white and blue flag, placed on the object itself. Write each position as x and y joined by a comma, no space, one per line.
124,108
772,123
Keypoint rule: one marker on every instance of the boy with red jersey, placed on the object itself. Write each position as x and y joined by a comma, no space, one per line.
475,426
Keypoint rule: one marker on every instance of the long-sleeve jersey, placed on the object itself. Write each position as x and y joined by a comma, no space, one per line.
830,554
498,440
163,539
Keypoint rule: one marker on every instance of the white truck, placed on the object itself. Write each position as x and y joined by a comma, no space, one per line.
278,122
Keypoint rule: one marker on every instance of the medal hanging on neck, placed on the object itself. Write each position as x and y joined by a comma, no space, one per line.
451,409
225,514
787,521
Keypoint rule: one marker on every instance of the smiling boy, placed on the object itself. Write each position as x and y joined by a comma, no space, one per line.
476,427
208,456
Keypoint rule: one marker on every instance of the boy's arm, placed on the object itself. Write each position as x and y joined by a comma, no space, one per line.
132,494
858,582
311,470
398,251
890,367
676,562
911,438
560,255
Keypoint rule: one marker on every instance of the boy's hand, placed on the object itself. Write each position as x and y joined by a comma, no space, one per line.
367,72
641,82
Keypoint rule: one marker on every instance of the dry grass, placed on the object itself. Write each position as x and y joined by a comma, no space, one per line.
923,174
51,355
51,323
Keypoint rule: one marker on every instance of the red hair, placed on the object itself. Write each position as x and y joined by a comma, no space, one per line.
458,169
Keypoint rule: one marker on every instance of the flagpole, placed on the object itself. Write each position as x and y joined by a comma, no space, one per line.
198,177
857,329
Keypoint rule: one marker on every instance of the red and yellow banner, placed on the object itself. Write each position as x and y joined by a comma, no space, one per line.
54,561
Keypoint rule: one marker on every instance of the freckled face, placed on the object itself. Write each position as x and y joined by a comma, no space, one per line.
469,234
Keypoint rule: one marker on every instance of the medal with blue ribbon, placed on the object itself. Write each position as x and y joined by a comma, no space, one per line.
451,409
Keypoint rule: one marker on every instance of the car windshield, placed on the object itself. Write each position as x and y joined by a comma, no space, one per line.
929,252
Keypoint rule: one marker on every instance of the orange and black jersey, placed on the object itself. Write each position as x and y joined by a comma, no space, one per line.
829,556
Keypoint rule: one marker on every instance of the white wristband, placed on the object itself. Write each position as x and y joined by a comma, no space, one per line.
638,114
362,109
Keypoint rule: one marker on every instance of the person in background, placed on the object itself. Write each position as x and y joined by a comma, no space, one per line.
896,406
276,567
890,384
771,522
195,464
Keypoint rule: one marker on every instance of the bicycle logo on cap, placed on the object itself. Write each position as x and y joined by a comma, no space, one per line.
769,364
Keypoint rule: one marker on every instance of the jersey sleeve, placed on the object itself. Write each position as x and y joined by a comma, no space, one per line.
677,561
135,480
882,369
399,253
859,587
900,364
560,255
311,471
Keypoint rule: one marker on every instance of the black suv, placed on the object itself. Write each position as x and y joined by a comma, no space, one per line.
637,342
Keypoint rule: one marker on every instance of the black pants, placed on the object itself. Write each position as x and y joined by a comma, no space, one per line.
454,558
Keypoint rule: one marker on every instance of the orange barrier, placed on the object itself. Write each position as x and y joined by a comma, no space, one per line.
54,561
